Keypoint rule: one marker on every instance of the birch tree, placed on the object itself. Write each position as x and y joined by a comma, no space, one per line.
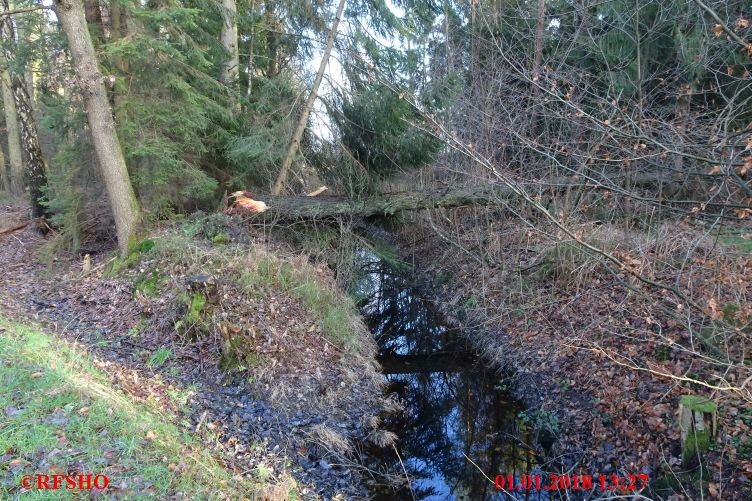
229,39
15,158
292,149
36,170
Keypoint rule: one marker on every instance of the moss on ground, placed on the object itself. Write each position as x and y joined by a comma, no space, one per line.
698,403
742,244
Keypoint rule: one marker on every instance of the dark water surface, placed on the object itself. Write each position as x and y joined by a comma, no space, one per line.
456,409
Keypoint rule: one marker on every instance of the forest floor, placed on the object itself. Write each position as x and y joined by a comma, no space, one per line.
61,416
255,356
598,362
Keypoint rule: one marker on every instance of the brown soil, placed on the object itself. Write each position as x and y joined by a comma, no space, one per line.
301,390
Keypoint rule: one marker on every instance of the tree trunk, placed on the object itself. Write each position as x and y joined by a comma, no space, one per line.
94,19
4,179
272,39
323,207
110,156
537,62
118,31
250,68
14,138
25,34
292,149
229,39
36,171
539,26
116,12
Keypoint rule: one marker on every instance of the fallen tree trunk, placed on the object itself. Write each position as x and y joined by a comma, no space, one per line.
304,207
15,228
387,204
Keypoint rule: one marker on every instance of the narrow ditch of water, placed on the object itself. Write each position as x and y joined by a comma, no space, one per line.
457,411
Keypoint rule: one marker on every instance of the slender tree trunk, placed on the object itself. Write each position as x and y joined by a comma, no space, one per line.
94,19
118,31
638,41
15,158
539,26
292,149
4,179
251,36
537,62
271,39
116,12
249,68
473,39
229,39
119,189
229,72
25,33
36,171
92,12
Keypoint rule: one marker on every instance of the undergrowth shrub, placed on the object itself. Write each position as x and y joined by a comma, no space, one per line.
569,262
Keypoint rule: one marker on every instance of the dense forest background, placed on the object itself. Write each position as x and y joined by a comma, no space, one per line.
611,142
620,95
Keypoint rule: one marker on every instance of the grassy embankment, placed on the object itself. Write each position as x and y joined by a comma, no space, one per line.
247,275
61,415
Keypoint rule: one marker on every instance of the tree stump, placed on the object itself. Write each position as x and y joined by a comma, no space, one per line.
698,424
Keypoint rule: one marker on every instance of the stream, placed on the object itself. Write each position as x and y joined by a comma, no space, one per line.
457,411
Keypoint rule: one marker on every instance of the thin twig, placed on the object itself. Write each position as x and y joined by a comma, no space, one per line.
409,485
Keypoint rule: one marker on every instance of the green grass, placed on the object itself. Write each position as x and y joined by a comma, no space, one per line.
159,357
335,312
59,413
742,245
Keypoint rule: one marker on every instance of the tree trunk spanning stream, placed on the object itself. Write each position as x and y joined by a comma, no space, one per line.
304,207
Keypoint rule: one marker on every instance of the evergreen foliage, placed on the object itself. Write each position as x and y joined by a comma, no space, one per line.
377,129
186,146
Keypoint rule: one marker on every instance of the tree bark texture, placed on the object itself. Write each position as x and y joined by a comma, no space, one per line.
312,208
15,158
539,27
229,39
94,18
114,171
4,179
272,39
36,170
292,149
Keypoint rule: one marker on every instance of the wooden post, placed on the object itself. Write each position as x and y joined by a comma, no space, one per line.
698,424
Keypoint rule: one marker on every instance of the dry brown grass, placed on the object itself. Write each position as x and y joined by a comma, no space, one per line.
330,439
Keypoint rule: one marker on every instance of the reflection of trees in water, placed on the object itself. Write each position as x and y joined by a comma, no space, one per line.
447,413
401,321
